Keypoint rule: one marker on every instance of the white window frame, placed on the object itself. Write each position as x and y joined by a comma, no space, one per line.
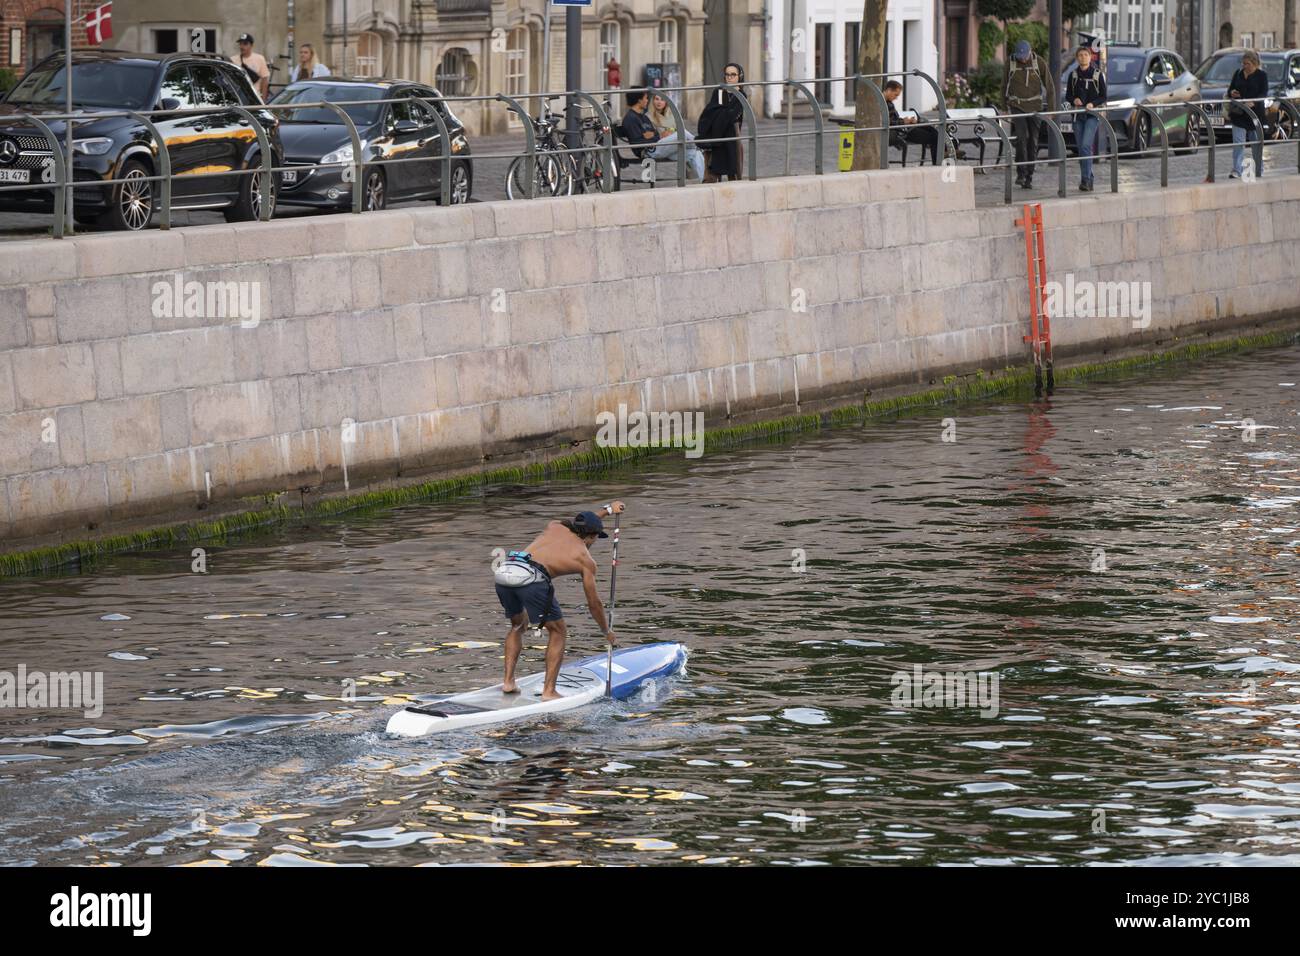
370,63
517,67
1110,19
1267,41
666,47
1248,41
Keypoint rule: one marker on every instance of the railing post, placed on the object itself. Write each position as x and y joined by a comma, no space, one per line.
1006,149
1258,148
681,141
1295,124
884,118
817,117
753,132
607,132
268,161
444,187
530,146
61,187
1059,142
1156,121
943,111
1114,150
358,172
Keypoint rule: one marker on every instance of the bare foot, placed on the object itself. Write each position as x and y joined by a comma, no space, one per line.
510,687
551,695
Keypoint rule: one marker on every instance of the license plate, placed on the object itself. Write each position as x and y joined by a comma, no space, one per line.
1218,121
290,176
1066,126
15,175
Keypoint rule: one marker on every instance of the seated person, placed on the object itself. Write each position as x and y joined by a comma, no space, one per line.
662,118
636,124
926,136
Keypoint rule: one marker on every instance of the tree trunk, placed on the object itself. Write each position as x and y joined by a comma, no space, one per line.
866,110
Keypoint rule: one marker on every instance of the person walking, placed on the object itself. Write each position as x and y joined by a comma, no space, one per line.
1086,90
254,64
1026,86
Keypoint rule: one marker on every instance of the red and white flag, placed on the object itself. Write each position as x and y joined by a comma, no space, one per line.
99,24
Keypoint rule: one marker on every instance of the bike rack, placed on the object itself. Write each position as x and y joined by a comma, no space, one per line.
530,144
1295,125
60,188
606,132
164,170
358,172
1209,136
817,117
1058,141
268,162
753,130
444,187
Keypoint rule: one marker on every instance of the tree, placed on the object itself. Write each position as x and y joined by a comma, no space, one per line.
866,110
1005,10
1074,9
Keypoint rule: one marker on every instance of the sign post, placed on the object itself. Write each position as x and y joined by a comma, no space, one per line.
572,65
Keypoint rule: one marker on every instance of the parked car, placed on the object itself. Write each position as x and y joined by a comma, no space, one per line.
1282,67
404,130
120,147
1150,76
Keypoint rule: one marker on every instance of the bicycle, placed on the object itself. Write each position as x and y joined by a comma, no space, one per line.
556,172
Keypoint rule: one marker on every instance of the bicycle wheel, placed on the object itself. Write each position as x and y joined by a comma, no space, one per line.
548,178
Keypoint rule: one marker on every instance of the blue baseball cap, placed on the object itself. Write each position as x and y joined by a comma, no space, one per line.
1022,50
586,522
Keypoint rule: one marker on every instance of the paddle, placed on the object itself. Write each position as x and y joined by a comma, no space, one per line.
609,616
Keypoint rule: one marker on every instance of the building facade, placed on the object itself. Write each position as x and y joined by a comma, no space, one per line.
821,43
31,30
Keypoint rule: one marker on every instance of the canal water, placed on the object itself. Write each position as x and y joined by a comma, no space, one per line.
1124,559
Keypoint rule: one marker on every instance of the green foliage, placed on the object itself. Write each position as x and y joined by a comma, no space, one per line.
1074,9
991,37
955,389
986,83
1034,31
1005,10
8,80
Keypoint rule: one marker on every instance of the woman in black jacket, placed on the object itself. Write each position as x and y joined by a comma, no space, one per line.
1250,86
722,118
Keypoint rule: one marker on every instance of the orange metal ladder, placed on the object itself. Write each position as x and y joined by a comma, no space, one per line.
1040,323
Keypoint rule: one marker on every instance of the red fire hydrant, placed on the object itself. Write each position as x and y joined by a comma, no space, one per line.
613,75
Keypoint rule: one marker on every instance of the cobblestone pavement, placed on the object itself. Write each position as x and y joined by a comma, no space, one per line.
1135,173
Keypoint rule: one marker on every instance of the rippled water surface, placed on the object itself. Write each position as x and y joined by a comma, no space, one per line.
1121,559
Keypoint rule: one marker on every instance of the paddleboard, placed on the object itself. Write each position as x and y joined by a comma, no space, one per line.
579,683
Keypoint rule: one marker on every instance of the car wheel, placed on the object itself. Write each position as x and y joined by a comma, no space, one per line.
248,203
460,184
374,196
1141,138
131,203
1285,128
1192,139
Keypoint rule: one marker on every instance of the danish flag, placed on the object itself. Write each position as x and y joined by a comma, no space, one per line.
99,24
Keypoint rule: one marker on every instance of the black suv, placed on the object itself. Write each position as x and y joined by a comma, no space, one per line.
1282,67
120,147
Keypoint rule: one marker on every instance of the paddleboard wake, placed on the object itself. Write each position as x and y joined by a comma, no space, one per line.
579,683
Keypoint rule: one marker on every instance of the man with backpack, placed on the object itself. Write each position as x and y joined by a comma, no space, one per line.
1026,85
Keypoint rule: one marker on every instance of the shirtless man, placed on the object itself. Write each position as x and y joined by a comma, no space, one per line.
563,548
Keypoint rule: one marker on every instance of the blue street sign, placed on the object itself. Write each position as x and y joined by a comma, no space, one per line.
571,3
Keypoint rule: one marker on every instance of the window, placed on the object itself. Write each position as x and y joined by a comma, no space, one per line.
180,39
517,62
1110,19
1248,41
1157,22
852,35
611,34
176,86
369,58
1267,41
208,89
1135,25
666,47
457,74
15,46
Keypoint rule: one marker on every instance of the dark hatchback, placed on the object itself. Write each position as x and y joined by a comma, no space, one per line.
1282,67
1150,76
401,143
220,141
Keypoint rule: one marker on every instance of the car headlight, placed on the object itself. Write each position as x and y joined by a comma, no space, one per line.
459,144
342,155
92,145
1123,104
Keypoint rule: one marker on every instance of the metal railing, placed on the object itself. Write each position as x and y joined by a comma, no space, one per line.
1143,122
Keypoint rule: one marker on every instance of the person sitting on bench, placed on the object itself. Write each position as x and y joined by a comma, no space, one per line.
926,136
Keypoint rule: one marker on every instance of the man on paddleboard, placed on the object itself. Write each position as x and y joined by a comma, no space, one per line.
563,548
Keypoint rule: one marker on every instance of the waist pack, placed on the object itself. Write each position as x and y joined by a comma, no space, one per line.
517,570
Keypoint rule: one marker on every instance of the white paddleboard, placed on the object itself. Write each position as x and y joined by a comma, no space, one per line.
579,683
